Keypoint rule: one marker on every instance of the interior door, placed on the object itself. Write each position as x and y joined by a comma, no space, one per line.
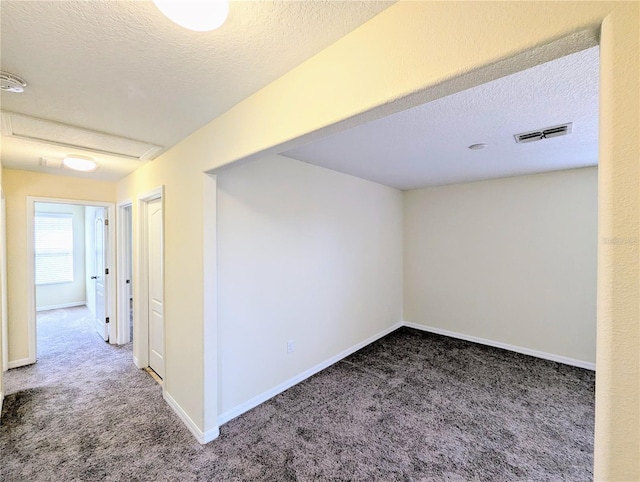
99,277
156,288
129,268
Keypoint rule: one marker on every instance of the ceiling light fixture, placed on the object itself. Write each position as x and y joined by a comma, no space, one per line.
11,83
84,164
198,15
475,147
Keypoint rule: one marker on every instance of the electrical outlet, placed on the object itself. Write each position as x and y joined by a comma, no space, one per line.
290,346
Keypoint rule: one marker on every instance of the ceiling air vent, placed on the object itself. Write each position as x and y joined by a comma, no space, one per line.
546,133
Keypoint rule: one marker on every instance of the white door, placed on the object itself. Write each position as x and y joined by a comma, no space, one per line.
156,288
129,269
99,276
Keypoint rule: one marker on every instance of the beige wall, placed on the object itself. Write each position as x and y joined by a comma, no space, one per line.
17,186
74,292
2,298
183,271
510,260
617,450
410,58
304,254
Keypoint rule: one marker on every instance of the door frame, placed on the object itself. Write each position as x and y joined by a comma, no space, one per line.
124,226
141,279
110,245
3,283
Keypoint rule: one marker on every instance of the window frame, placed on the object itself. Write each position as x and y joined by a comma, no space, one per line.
70,252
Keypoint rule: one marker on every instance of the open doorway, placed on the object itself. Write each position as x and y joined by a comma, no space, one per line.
72,251
70,259
141,310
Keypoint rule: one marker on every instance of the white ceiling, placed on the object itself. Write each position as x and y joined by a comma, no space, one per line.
122,68
428,145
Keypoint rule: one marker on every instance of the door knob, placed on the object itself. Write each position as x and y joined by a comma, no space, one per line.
94,277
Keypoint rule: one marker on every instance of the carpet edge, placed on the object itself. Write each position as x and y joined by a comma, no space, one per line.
272,392
504,346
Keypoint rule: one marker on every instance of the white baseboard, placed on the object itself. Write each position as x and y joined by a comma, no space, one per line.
63,305
137,363
263,397
202,437
504,346
20,363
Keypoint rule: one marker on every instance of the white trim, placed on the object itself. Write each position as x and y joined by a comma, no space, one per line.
4,312
63,305
151,195
210,307
210,435
30,287
263,397
202,437
22,362
31,284
122,259
504,346
137,363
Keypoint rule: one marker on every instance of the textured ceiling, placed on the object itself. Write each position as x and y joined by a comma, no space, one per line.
122,68
428,145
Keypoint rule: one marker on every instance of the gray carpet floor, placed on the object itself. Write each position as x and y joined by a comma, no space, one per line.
412,406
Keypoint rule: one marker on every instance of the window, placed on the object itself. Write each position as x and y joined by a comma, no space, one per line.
54,248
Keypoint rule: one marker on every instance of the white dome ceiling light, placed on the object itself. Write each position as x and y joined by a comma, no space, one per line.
77,163
11,83
198,15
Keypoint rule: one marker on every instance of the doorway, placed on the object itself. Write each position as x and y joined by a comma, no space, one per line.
149,333
71,250
125,272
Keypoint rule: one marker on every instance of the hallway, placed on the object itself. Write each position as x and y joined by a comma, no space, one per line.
81,403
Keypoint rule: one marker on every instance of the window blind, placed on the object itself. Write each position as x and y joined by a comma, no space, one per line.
54,248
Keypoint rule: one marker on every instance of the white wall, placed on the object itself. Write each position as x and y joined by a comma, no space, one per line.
510,260
71,293
306,254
